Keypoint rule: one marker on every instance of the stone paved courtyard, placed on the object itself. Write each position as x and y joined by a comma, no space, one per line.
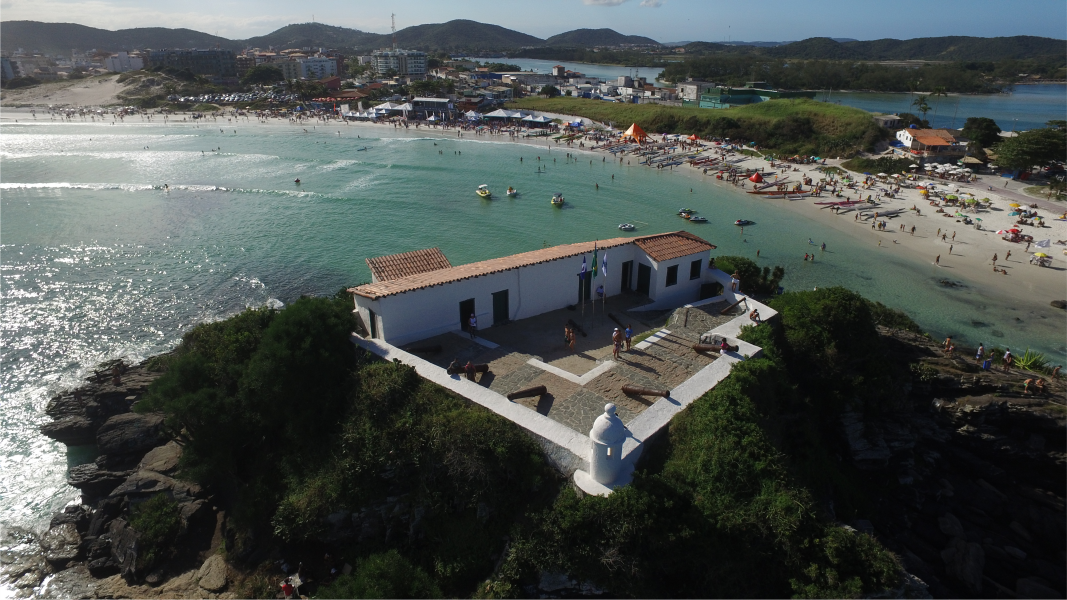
666,363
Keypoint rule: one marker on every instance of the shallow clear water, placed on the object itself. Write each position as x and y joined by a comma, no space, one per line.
99,261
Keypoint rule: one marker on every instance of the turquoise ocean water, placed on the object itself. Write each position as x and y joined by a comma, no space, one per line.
99,261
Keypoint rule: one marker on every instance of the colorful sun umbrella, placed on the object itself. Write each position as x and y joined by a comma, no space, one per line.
1001,232
1040,255
1015,205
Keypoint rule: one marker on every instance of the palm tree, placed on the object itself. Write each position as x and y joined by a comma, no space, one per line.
920,105
937,93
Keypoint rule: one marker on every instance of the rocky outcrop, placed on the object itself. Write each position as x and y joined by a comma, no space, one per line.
975,505
77,415
212,575
130,433
136,462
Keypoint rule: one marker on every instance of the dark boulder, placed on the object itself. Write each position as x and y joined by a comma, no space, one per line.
93,481
124,547
61,544
72,430
77,515
130,433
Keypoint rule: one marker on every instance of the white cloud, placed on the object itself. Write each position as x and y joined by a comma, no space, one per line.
604,2
652,3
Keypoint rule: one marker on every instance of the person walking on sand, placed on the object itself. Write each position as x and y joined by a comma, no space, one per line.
950,247
994,260
1007,256
937,261
980,354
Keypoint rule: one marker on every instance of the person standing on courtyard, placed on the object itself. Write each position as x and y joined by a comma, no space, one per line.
472,325
629,335
616,343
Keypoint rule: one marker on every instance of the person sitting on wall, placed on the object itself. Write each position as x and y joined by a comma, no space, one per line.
754,316
600,292
454,368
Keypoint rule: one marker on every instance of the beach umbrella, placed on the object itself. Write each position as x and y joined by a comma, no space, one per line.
881,174
1013,214
1001,232
952,197
866,173
1015,205
1040,255
924,193
756,178
1013,230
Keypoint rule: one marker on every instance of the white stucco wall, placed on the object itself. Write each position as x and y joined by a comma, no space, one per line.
532,290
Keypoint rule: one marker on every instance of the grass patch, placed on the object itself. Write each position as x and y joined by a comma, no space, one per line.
794,126
637,339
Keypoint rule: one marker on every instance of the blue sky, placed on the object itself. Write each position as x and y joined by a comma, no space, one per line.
663,20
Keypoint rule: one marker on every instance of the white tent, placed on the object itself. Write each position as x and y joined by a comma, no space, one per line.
433,118
473,115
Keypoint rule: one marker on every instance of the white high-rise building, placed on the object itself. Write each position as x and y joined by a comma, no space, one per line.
122,62
403,62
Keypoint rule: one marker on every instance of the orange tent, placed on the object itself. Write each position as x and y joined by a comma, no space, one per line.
756,178
694,137
635,133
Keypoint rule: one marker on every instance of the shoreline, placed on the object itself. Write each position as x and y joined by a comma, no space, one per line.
971,250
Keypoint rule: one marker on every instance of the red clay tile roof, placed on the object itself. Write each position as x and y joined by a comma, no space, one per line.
669,246
397,266
665,246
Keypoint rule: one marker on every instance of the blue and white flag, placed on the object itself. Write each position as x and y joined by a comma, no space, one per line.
604,265
1042,244
581,274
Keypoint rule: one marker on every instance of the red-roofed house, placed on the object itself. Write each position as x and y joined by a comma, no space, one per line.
932,143
417,295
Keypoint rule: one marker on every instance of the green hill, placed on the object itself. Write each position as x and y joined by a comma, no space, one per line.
937,48
304,35
61,38
462,34
597,37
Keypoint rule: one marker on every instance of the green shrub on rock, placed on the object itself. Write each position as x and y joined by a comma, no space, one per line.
385,575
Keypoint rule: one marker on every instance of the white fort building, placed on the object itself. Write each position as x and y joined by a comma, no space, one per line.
590,409
418,294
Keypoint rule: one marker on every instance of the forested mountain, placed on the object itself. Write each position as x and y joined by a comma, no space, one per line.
308,35
461,35
597,37
61,38
937,48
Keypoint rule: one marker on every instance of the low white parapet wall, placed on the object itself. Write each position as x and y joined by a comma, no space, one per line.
568,450
565,448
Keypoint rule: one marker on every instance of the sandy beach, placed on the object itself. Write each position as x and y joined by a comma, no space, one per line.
965,254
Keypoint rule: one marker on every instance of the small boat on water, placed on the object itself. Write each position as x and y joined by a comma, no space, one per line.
557,200
483,191
697,220
512,192
742,222
686,210
627,227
